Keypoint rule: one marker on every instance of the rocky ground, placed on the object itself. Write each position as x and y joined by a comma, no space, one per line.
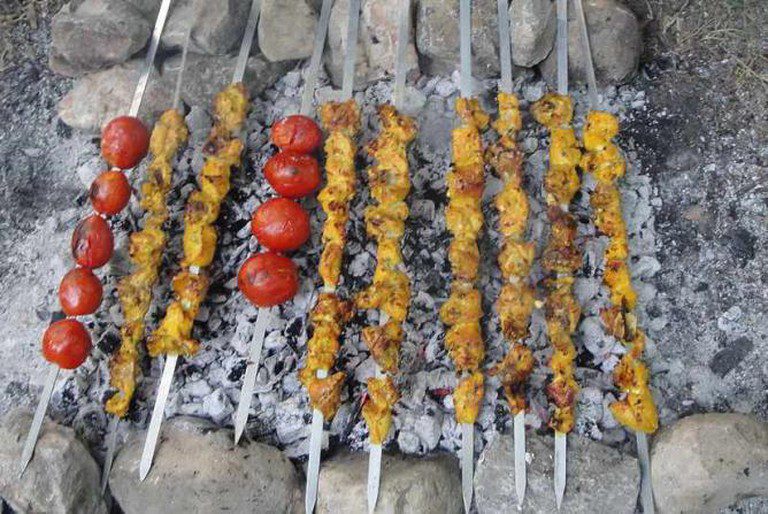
695,131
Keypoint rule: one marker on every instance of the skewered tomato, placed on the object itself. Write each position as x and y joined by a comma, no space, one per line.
298,133
280,224
92,242
80,292
110,192
124,142
268,279
66,343
292,174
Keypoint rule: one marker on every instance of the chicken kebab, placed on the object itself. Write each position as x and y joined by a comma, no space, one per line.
462,311
145,250
562,257
223,152
124,143
516,300
280,224
341,122
390,291
635,409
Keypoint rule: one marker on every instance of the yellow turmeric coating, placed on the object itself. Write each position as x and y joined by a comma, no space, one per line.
146,252
224,150
468,397
635,409
377,409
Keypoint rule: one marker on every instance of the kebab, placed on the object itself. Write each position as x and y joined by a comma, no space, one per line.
223,149
561,258
462,311
341,122
516,299
67,342
280,224
146,249
389,293
602,159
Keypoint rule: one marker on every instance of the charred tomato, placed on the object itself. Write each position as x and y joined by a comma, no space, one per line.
80,292
110,192
268,279
297,133
66,343
280,224
92,242
292,174
124,142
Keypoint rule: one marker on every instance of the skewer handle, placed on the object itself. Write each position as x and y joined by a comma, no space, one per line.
37,420
249,379
153,432
141,86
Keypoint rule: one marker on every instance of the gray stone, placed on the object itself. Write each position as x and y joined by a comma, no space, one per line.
600,479
218,25
706,462
533,30
615,39
377,43
437,36
424,485
197,469
97,98
286,29
206,75
148,8
62,476
96,35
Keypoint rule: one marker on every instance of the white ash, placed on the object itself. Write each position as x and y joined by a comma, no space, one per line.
208,384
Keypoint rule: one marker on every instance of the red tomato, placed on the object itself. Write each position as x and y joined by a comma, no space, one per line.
80,292
298,133
92,242
292,174
124,142
268,279
280,224
66,343
110,192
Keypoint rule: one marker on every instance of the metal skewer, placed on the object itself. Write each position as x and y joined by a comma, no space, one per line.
257,341
467,455
114,422
398,99
316,432
170,361
505,55
561,442
646,486
53,371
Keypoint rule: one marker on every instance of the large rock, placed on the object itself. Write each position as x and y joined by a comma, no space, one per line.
377,42
218,25
615,39
206,75
408,485
706,462
62,476
100,96
600,479
286,29
533,30
197,469
437,36
96,35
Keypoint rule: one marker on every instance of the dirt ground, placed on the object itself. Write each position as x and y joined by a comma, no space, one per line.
703,139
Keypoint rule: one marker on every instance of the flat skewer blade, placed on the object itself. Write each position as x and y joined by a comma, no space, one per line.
315,447
520,471
110,457
560,466
141,86
374,476
247,41
562,47
350,59
646,486
401,70
37,420
310,79
467,463
157,416
465,47
505,48
249,379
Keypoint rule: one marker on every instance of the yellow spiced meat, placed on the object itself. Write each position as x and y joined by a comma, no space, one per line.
390,291
190,285
462,311
561,258
635,409
146,253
